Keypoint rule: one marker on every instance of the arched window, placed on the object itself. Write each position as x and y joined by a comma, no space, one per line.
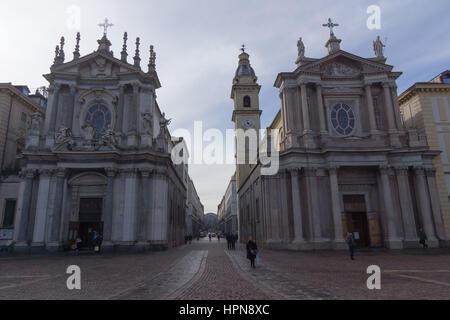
247,102
100,117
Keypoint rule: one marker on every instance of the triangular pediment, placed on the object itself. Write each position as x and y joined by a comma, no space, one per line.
99,65
344,64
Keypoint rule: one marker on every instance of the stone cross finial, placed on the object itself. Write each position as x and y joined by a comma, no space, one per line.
243,48
137,59
330,25
105,25
124,53
76,53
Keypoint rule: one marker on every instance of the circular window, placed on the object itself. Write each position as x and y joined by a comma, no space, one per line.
100,117
343,119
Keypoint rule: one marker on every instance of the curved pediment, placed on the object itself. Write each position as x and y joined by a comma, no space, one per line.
88,179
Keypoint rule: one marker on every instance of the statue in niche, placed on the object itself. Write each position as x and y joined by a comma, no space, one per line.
35,128
109,138
147,122
378,48
89,130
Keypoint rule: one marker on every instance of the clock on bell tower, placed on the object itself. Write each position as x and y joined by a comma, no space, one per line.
246,116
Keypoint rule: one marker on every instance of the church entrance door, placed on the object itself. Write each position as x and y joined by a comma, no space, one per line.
355,209
90,220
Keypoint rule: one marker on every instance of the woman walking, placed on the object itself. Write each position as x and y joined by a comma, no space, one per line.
252,251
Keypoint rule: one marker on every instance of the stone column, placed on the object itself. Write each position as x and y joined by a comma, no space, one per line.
336,204
409,223
389,107
68,118
54,110
130,206
133,118
109,204
146,200
274,209
42,207
120,110
313,205
58,204
284,212
296,208
393,242
371,109
308,139
322,117
435,203
398,117
424,204
291,111
26,206
305,108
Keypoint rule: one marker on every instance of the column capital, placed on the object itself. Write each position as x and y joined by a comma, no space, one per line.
28,173
310,172
61,172
294,172
145,172
401,170
384,169
332,169
430,171
111,172
419,170
73,89
46,172
129,171
136,87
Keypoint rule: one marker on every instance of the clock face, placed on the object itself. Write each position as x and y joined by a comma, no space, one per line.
248,124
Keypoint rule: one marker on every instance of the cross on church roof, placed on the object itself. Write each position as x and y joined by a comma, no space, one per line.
243,48
330,25
105,26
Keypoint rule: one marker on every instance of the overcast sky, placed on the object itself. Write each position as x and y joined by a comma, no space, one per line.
197,44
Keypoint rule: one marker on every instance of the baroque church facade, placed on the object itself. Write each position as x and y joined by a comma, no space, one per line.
347,164
101,159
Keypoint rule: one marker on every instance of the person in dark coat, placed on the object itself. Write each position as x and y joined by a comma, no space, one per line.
252,251
423,238
351,245
233,241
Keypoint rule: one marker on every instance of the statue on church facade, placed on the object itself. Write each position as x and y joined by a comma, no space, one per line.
64,136
109,138
35,128
378,48
163,122
147,122
301,49
89,130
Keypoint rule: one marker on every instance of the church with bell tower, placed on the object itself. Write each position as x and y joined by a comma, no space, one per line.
246,115
347,163
100,163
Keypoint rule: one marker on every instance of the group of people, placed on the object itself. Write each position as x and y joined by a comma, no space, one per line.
231,241
188,239
95,244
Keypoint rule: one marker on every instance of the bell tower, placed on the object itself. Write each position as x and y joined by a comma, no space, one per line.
246,117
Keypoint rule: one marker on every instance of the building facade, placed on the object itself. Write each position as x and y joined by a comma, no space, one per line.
426,111
210,222
195,212
227,210
346,163
101,159
17,109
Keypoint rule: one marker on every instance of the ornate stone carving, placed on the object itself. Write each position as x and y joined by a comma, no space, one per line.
338,69
36,120
145,172
147,120
64,138
89,130
111,172
109,138
301,49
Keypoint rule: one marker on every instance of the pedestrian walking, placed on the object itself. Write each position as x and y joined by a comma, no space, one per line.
97,241
351,245
423,238
233,241
190,239
252,251
209,237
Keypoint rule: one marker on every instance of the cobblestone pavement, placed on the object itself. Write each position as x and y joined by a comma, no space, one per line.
208,271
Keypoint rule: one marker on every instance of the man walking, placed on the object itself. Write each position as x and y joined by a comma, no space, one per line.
351,245
423,238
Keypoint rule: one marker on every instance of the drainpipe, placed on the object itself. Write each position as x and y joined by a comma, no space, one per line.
7,133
